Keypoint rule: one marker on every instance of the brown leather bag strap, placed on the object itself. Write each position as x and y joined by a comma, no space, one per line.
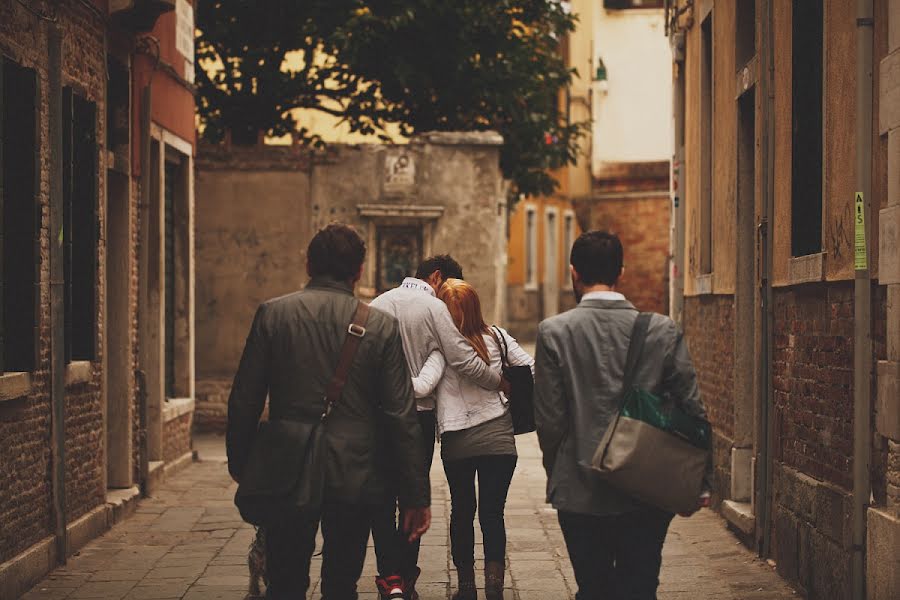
355,333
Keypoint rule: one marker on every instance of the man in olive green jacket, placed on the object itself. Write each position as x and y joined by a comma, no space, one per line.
373,437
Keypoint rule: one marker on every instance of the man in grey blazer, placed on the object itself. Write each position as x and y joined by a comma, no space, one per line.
614,542
373,441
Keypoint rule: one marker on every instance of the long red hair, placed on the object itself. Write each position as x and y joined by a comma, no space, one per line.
465,308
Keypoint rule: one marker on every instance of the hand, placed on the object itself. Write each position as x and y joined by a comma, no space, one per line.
505,386
416,522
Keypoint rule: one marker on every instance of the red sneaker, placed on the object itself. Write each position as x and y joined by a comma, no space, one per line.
391,587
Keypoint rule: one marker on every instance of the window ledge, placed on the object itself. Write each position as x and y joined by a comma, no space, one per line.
14,386
806,269
531,287
78,371
177,407
703,284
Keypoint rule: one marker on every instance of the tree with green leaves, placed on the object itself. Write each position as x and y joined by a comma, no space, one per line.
424,65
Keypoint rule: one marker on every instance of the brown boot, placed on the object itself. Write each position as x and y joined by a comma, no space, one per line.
493,580
466,585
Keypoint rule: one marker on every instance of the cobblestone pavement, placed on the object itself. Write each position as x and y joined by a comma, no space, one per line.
187,542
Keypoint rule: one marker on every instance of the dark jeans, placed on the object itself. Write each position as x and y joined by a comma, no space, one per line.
290,547
396,556
494,476
616,557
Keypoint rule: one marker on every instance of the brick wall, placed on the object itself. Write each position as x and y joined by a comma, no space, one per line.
25,454
643,226
24,470
709,330
813,380
813,385
177,437
85,461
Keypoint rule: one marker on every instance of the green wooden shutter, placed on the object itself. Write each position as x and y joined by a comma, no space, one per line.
19,225
171,174
84,230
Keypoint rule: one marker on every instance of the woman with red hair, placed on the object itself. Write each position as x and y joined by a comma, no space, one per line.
476,432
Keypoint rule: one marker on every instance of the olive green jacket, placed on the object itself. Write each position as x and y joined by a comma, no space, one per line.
291,354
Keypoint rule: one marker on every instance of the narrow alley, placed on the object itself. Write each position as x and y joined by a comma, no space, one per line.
188,542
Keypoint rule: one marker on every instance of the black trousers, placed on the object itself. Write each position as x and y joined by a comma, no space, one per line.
494,476
396,556
616,557
290,546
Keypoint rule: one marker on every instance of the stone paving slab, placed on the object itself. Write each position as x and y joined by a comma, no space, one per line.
188,543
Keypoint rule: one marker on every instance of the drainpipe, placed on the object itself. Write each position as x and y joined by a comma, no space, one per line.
57,285
676,251
765,415
862,299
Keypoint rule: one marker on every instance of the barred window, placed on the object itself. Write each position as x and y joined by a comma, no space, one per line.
20,210
80,225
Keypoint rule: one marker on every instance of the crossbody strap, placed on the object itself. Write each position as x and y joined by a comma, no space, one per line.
635,349
355,333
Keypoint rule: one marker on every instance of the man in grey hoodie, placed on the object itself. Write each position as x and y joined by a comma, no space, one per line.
426,326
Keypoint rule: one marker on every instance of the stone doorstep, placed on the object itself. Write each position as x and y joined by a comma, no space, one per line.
22,572
740,515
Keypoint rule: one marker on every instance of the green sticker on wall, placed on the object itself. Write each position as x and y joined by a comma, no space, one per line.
861,259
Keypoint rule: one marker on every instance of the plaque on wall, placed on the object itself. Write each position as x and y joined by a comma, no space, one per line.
399,172
399,254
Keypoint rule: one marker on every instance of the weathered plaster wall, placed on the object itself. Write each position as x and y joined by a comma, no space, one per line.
260,206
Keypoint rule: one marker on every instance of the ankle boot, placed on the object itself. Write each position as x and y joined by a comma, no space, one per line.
466,585
493,580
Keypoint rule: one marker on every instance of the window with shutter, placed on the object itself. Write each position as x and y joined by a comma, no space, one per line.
80,224
19,213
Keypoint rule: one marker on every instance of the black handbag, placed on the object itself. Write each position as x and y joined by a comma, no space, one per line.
521,380
284,474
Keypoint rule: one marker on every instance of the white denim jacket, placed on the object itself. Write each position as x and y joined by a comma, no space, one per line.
462,403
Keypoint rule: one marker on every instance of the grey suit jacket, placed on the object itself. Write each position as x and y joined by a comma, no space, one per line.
579,367
373,437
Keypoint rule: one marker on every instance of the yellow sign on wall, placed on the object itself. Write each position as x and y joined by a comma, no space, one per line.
861,259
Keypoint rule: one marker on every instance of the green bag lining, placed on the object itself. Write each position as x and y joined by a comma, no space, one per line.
644,406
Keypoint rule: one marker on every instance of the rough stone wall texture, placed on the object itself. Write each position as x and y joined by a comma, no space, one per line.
709,330
893,475
25,491
262,205
177,437
812,533
813,380
643,226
